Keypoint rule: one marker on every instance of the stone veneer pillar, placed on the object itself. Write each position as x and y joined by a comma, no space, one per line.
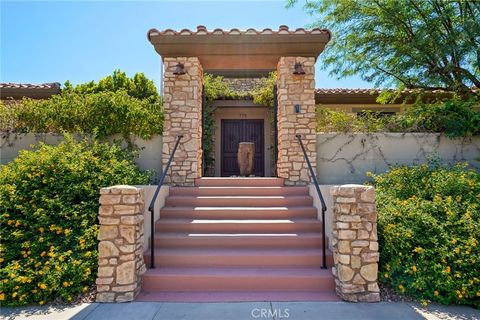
292,90
183,116
120,250
355,243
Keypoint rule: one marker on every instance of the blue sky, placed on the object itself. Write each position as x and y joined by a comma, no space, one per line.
81,41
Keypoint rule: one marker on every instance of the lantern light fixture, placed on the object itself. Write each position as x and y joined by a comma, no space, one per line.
298,69
179,69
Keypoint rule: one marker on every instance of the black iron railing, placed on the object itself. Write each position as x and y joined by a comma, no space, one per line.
322,201
151,208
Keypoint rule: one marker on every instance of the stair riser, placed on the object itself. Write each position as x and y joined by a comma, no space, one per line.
239,214
251,191
248,182
238,227
234,283
167,260
237,296
230,242
243,202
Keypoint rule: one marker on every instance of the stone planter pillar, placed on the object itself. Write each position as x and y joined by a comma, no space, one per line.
295,90
355,243
120,250
183,116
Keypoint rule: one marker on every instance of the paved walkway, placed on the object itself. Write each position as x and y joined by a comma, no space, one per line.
244,311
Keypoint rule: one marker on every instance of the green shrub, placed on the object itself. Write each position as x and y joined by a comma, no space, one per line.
139,86
48,218
429,232
104,113
116,104
455,118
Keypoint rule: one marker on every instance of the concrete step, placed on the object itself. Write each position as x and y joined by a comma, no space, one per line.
242,201
238,225
234,182
237,296
238,240
227,257
230,212
238,279
238,191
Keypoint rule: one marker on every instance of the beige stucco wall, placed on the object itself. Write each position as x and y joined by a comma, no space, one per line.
346,157
159,203
243,113
328,197
150,151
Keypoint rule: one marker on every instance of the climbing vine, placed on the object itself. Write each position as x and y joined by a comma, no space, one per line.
263,94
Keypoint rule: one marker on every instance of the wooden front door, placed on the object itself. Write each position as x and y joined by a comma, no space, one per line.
234,132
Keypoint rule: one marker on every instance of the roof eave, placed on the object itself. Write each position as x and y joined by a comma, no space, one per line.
238,50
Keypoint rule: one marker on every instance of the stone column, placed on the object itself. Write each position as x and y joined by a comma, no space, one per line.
355,243
295,90
120,250
183,116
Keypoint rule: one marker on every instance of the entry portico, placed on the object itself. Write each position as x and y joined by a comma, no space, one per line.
187,54
238,239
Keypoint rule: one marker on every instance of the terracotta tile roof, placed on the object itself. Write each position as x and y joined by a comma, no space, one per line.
17,91
202,30
369,95
364,91
372,91
347,91
9,85
347,95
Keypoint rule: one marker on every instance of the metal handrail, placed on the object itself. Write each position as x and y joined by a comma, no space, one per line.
151,207
322,201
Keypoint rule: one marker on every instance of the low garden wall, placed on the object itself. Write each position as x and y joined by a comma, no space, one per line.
346,157
150,151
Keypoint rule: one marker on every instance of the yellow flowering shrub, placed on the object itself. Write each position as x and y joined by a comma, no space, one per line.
48,218
429,232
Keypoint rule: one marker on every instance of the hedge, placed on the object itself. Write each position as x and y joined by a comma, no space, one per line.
455,118
429,232
116,104
103,113
48,218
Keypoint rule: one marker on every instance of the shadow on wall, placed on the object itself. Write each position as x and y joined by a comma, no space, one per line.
347,157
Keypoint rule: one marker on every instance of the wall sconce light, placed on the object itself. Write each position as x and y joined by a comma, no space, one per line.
297,108
179,69
298,69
